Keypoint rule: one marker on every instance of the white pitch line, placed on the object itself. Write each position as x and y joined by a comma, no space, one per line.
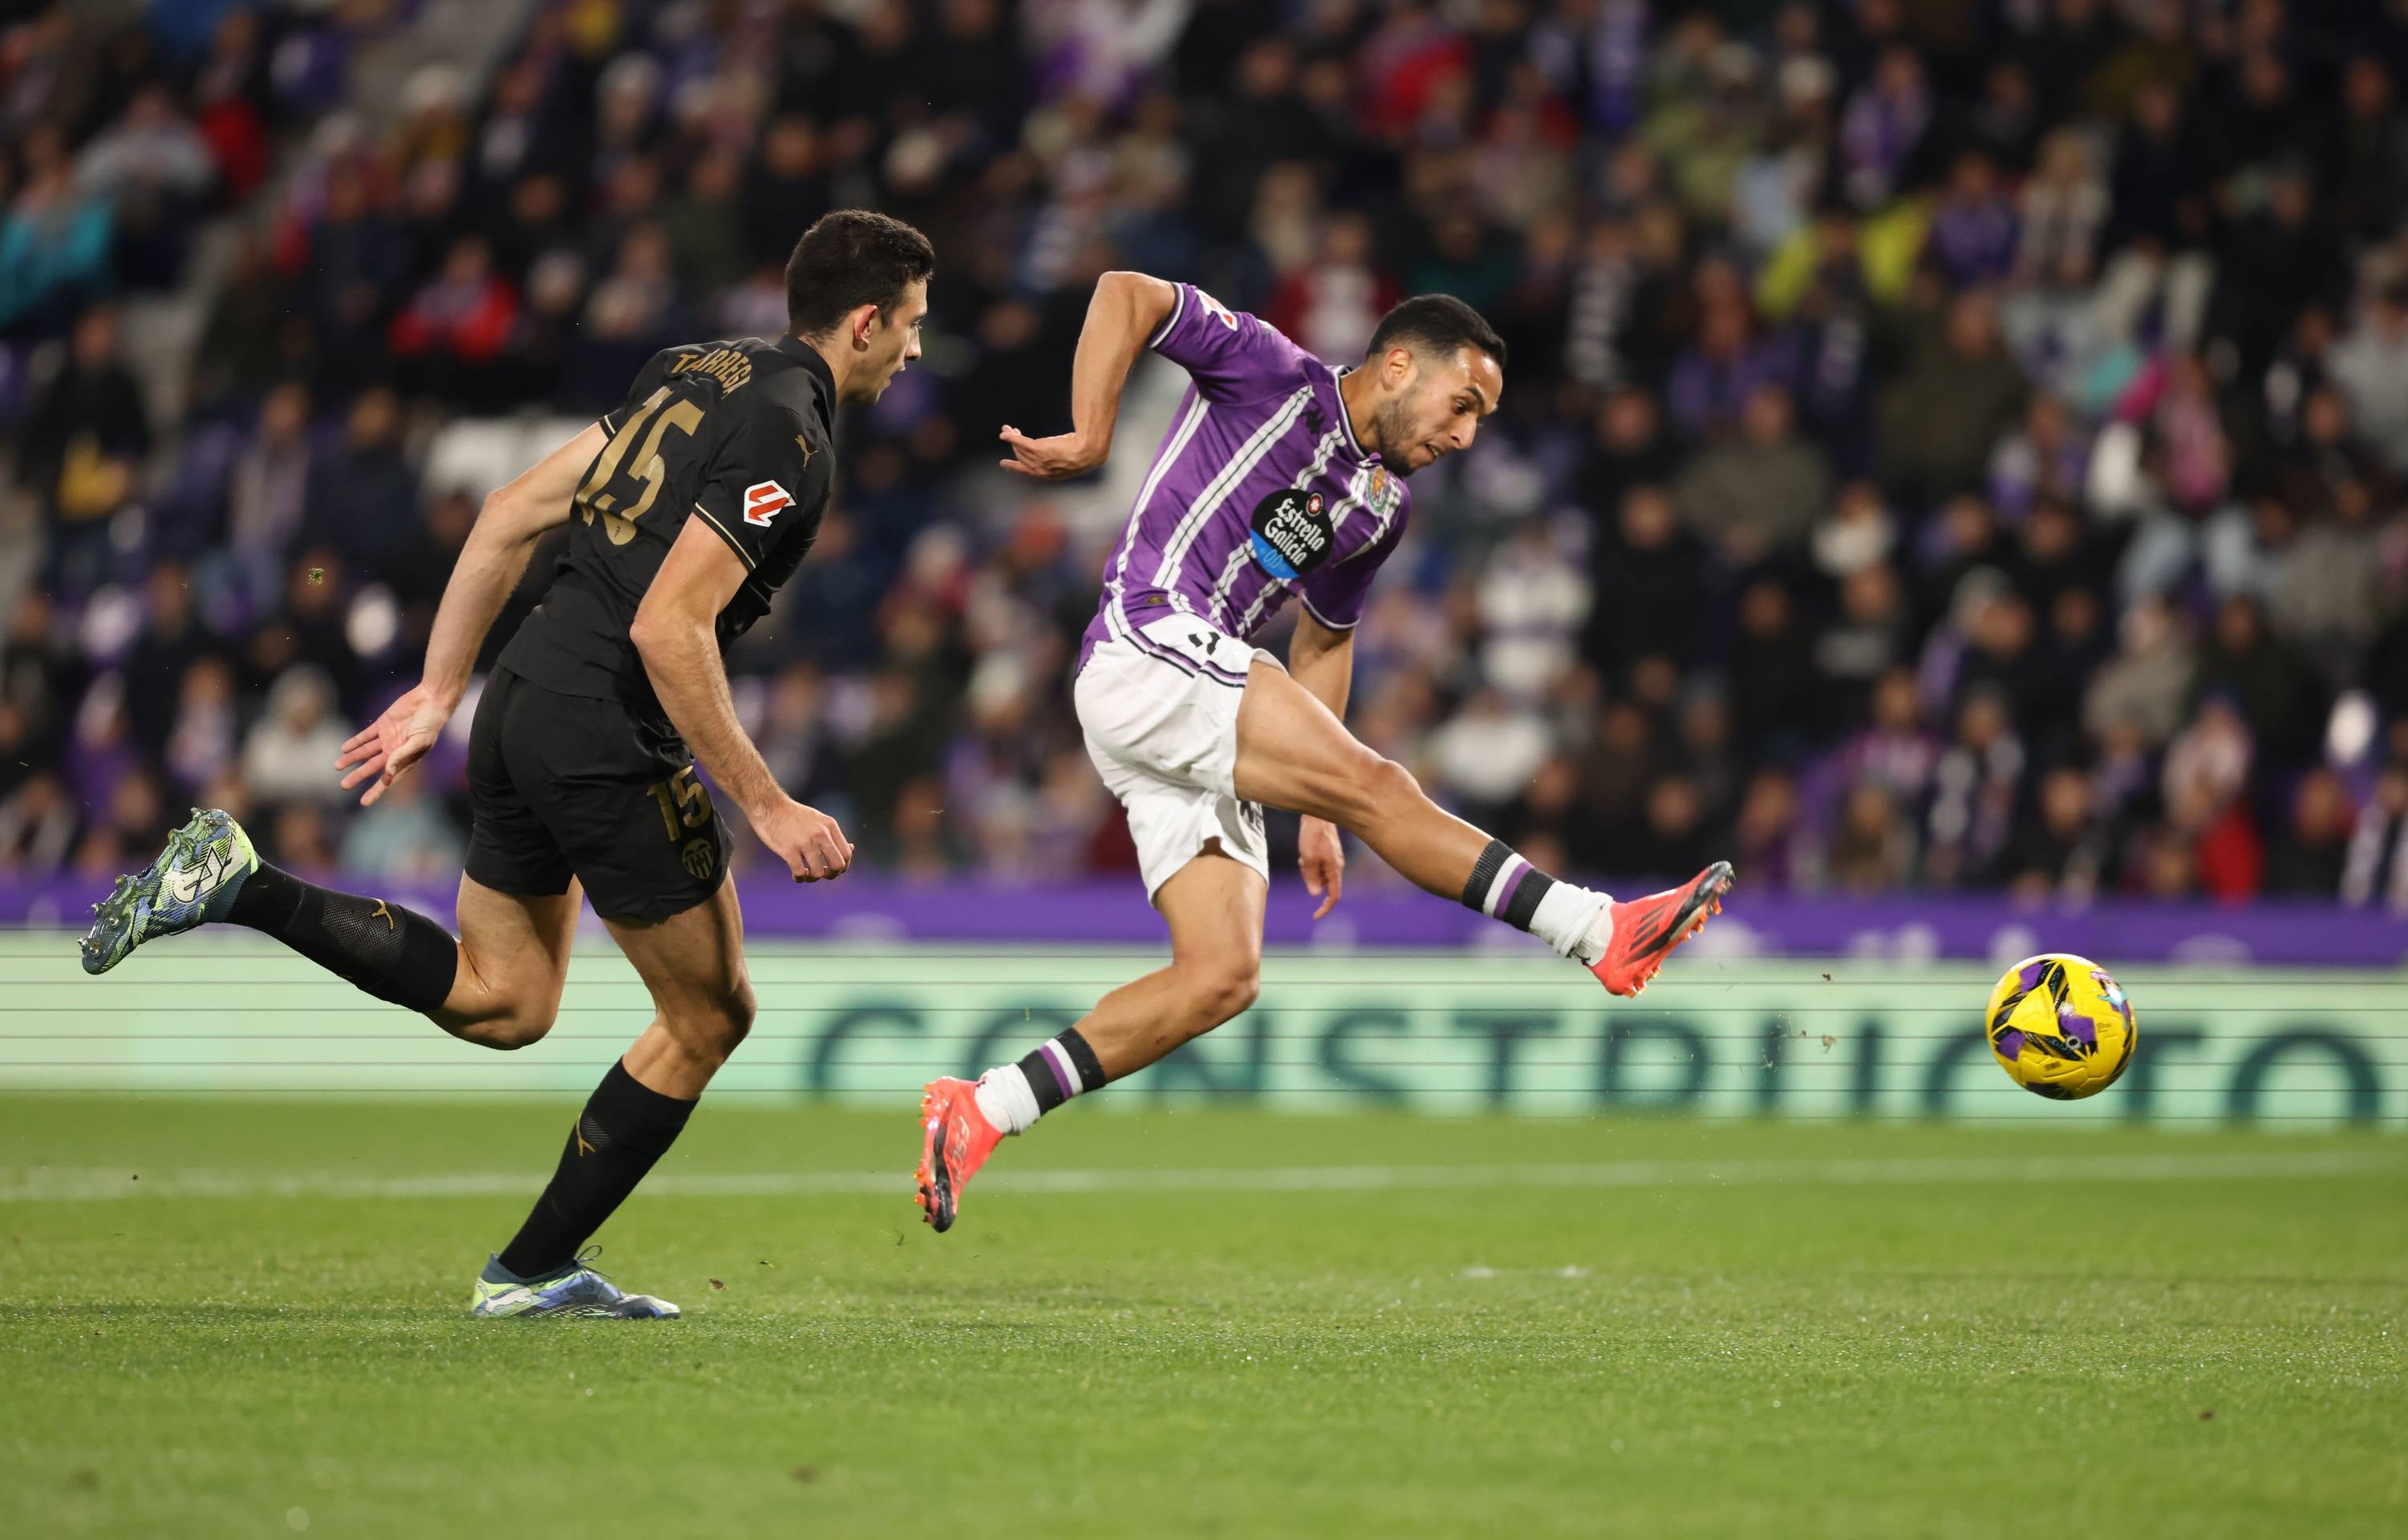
98,1184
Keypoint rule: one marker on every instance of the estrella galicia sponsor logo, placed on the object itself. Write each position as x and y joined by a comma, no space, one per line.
1292,533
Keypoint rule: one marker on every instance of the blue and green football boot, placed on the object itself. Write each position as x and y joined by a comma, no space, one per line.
192,883
577,1290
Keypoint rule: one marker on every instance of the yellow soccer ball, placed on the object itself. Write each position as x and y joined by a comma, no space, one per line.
2060,1026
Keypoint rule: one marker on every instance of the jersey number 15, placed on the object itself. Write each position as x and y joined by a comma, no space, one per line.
651,420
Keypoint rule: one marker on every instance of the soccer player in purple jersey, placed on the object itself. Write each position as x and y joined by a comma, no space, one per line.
1281,476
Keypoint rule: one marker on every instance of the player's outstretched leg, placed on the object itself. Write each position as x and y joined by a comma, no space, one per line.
693,963
1294,754
498,986
209,871
1213,905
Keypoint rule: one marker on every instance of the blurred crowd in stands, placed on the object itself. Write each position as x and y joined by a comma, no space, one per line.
1950,445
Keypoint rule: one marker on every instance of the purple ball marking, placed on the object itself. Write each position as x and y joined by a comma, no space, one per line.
2030,974
2078,1026
2011,1044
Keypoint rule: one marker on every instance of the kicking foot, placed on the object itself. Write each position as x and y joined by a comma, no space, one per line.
955,1141
192,882
576,1290
1645,930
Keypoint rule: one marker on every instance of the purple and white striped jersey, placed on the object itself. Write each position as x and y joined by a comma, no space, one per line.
1258,489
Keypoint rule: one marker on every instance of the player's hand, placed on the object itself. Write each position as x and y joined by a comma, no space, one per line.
1321,856
1050,459
383,751
807,840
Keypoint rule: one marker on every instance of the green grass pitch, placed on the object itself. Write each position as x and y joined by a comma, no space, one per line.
1205,1323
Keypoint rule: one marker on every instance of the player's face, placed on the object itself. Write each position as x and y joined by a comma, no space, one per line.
1436,409
894,342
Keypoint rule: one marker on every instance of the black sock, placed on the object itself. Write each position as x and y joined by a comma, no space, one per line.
624,1128
394,955
1062,1067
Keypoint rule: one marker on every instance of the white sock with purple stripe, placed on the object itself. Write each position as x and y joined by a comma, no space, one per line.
1563,915
1013,1096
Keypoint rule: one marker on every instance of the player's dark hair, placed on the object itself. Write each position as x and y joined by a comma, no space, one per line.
850,258
1436,323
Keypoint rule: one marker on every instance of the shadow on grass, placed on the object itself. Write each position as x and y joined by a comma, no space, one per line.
154,1317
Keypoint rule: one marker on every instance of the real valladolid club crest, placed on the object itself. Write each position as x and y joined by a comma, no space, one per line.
1291,533
1384,493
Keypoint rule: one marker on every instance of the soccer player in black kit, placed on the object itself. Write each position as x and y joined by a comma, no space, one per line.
689,506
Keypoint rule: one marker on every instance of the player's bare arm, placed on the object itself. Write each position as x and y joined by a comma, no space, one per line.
675,634
1322,659
513,519
1127,309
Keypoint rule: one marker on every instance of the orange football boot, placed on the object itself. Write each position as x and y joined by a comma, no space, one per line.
955,1141
1645,930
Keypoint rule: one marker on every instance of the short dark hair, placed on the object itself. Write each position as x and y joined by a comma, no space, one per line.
850,258
1436,323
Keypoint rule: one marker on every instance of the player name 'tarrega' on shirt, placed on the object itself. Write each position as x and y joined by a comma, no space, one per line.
1258,490
734,434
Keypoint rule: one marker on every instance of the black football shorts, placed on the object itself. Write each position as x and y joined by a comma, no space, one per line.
563,786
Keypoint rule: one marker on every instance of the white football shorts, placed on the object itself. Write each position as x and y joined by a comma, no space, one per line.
1159,709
